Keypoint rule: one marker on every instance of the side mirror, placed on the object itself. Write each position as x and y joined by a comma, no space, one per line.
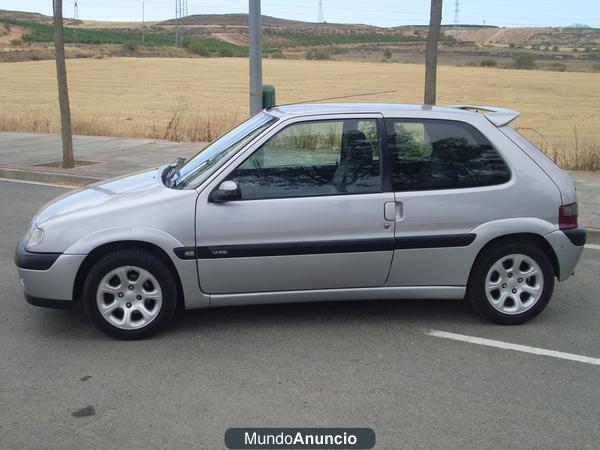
226,192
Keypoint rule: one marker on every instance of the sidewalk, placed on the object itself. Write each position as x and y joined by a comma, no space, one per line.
23,155
104,157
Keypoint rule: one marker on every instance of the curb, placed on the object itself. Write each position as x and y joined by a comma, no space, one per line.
48,177
592,236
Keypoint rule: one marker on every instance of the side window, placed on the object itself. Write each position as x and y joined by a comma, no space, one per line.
314,158
439,154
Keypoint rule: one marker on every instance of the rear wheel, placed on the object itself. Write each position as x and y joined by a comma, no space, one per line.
130,294
511,283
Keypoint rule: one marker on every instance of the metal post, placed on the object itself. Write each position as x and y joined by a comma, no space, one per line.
255,55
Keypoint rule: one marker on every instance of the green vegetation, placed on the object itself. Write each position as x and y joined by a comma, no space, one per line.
488,62
130,46
295,39
277,54
157,37
225,53
318,54
41,32
196,48
204,47
387,53
524,61
129,39
558,67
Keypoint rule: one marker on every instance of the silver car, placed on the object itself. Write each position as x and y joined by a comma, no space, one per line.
315,202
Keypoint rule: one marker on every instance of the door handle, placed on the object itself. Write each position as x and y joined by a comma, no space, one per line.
389,211
393,211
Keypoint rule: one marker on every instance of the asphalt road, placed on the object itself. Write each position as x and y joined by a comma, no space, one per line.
356,364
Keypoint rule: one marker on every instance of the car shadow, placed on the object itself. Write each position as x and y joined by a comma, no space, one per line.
74,323
418,312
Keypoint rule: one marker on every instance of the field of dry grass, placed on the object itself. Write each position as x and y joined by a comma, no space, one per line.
196,99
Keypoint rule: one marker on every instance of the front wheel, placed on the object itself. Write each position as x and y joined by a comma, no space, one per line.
130,294
511,283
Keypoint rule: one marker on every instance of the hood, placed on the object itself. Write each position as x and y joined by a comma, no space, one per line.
129,202
99,195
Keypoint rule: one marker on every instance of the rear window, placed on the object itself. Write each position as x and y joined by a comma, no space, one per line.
441,154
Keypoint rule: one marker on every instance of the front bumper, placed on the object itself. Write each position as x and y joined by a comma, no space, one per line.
47,278
568,246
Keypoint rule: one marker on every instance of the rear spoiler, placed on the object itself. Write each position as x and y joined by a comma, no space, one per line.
498,116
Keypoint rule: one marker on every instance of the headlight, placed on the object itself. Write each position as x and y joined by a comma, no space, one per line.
34,236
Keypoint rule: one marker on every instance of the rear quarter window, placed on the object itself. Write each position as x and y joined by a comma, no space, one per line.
441,154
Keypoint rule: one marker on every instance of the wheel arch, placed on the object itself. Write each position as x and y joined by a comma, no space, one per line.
109,247
528,238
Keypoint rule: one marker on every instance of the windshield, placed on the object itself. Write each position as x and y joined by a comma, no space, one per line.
196,169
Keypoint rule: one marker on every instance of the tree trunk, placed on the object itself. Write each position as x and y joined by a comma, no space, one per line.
433,36
63,92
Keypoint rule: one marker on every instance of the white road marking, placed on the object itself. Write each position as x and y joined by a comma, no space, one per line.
39,183
516,347
592,246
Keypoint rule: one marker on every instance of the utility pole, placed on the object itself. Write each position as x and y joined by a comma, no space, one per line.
76,17
483,34
143,24
320,16
178,16
433,36
63,92
456,21
255,54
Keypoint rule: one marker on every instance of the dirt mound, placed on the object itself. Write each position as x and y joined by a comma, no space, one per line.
567,37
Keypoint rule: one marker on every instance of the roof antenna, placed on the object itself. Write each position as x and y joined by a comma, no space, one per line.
335,98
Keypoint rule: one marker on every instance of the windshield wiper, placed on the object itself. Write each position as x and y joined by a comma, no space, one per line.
172,169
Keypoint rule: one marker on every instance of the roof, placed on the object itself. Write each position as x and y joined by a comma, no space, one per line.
497,116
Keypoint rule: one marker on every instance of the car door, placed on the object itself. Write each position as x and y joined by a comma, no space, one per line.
310,212
448,179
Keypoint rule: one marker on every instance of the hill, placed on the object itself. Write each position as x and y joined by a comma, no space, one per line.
241,20
26,36
23,15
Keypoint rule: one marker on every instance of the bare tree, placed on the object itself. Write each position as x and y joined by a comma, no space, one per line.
63,92
433,36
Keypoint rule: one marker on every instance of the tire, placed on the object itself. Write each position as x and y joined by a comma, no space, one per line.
511,283
130,294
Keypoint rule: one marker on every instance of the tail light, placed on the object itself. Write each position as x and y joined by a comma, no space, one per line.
567,216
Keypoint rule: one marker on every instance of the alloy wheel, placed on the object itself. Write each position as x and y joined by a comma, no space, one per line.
514,284
129,297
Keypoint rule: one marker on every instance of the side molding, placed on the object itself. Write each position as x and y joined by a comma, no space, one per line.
323,247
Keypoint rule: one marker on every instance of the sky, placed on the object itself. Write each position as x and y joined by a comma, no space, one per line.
509,13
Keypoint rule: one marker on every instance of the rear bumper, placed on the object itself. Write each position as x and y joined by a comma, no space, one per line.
568,246
47,278
576,236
